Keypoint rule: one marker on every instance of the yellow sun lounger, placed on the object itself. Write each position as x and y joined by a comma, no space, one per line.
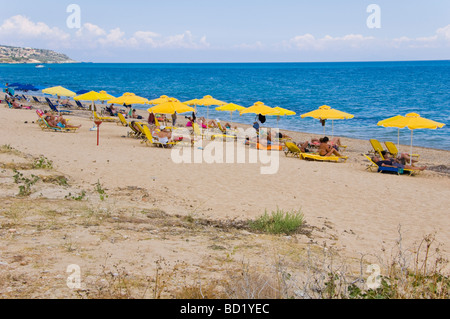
294,150
377,148
317,157
150,141
105,118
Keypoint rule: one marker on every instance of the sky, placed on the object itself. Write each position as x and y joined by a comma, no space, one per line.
192,31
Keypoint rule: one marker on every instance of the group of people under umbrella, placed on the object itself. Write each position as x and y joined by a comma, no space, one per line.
169,105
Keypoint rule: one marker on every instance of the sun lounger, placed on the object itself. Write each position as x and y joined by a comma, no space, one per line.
22,107
317,157
294,150
80,106
392,170
377,148
105,118
43,124
37,100
55,109
151,141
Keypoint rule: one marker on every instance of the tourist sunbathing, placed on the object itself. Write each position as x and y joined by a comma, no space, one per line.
304,147
402,158
135,116
335,142
277,135
67,103
393,163
326,149
111,110
16,105
58,121
162,135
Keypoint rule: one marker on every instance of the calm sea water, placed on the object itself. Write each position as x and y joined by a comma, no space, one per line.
372,91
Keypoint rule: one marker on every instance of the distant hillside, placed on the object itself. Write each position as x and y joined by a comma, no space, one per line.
28,55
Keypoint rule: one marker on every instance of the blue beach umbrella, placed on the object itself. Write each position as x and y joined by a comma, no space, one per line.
82,92
27,87
15,84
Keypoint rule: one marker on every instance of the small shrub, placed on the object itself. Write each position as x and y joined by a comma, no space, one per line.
278,222
101,191
25,189
79,197
42,163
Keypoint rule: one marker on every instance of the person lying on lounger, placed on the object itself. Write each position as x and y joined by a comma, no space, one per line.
162,135
326,149
334,142
58,121
16,105
393,163
67,103
304,147
403,158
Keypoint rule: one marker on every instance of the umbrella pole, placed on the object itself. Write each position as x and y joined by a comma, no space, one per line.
398,139
332,128
410,154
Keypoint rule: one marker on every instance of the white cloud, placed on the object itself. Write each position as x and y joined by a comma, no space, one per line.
20,27
441,38
185,40
90,30
309,42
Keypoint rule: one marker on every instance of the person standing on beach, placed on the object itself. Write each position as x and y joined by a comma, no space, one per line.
174,119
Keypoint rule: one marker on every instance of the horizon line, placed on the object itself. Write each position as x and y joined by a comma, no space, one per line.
265,62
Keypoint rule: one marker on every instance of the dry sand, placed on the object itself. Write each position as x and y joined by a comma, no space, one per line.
346,207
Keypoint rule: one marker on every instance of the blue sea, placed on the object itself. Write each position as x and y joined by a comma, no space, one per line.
372,91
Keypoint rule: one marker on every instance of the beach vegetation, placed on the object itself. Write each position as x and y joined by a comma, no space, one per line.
42,163
278,222
76,197
25,183
101,191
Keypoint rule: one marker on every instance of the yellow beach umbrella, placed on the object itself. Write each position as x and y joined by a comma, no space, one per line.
160,100
282,112
385,123
325,113
259,108
207,101
94,96
60,91
413,121
90,96
170,107
230,107
104,96
128,99
192,102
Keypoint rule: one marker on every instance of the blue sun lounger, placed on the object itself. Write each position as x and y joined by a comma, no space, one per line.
55,109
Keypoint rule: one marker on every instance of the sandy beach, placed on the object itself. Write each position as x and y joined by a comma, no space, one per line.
347,208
